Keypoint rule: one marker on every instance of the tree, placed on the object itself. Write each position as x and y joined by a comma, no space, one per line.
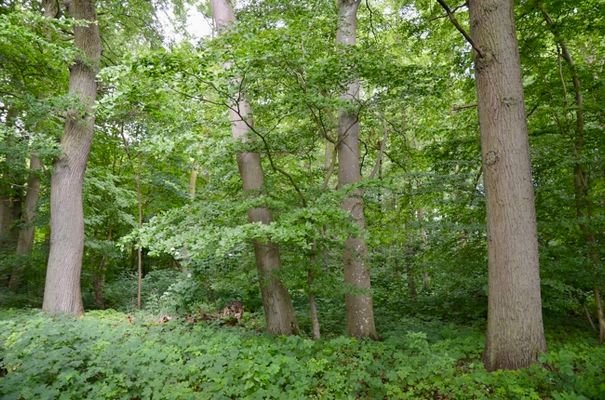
515,332
279,313
62,288
360,312
582,181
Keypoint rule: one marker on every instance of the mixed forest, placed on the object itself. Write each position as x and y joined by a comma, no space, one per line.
288,199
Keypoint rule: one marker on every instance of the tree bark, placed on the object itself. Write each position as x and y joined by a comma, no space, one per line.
25,242
279,312
515,332
359,307
62,289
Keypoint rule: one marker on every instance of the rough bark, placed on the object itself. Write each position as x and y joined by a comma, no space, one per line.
515,332
62,289
279,312
360,311
25,242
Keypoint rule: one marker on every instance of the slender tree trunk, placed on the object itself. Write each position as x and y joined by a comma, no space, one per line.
279,312
62,290
99,283
193,182
515,332
600,314
10,198
139,249
25,242
584,205
9,217
360,311
412,292
313,313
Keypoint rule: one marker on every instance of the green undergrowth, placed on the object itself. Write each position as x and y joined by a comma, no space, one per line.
106,355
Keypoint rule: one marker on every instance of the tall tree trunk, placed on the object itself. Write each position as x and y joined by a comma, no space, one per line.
313,313
62,290
583,203
279,312
25,242
193,182
99,282
360,311
139,249
10,198
515,332
9,218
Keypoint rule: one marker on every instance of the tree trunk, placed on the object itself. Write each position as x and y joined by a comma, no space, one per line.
600,314
99,283
360,312
193,182
10,198
139,249
515,332
25,242
279,312
313,313
411,281
9,217
62,290
583,203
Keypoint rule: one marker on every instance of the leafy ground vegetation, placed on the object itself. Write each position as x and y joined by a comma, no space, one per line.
114,355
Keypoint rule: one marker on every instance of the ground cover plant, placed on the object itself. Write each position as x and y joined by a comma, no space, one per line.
108,354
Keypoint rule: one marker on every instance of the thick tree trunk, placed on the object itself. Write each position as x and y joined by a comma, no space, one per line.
360,311
515,332
62,290
25,242
279,312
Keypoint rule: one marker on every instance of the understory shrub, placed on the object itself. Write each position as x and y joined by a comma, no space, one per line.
108,355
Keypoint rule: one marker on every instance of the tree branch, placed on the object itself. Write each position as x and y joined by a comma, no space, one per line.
454,21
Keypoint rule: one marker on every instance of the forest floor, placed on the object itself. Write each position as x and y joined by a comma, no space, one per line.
113,355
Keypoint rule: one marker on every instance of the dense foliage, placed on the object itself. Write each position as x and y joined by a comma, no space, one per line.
162,187
105,356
